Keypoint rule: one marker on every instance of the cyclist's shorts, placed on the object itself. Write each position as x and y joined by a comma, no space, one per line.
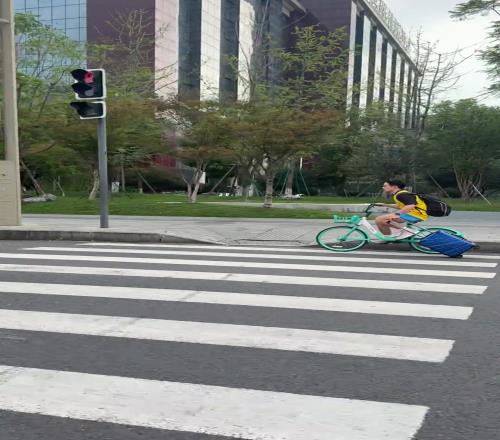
410,218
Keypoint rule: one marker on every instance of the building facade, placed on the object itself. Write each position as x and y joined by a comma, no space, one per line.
381,65
198,43
68,16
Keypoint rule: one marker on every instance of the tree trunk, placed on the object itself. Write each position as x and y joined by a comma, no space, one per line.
95,185
289,180
58,183
122,173
268,198
139,185
194,194
38,188
189,188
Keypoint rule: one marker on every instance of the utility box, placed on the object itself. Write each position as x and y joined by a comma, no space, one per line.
8,202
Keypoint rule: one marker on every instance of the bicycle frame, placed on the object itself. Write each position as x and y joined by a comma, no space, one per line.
362,223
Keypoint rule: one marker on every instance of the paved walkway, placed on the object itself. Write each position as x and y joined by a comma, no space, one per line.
478,226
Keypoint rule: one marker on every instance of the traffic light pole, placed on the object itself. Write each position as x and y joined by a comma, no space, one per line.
12,185
103,172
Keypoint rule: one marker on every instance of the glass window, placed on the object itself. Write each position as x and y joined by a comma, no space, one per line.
31,4
74,34
83,34
19,4
45,3
83,10
45,14
72,23
72,11
58,13
59,24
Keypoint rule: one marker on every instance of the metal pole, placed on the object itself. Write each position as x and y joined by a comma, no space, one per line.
103,172
10,101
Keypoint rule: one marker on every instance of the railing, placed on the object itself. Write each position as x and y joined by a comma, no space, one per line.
393,25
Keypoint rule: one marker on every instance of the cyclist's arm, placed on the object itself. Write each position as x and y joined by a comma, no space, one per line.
387,205
406,209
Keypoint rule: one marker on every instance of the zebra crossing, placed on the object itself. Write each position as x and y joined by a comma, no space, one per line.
239,342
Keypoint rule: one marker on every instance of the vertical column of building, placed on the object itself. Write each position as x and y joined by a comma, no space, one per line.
409,98
359,37
395,77
167,47
365,61
401,91
382,72
372,56
386,80
246,47
352,95
229,48
189,48
210,49
415,100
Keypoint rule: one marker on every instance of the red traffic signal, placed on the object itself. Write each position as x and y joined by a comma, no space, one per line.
89,84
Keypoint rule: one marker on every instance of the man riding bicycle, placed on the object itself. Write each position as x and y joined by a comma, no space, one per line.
411,208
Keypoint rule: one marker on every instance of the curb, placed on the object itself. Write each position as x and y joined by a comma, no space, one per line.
155,237
108,236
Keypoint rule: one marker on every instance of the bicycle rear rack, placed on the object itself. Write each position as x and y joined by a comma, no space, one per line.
352,220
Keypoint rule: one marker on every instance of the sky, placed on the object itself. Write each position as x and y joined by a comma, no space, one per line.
432,16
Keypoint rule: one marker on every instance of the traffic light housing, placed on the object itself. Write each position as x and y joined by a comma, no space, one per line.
89,84
90,110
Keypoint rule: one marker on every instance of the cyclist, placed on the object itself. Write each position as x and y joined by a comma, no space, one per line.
411,208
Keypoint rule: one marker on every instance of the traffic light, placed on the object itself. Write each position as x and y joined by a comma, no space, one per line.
89,84
90,110
90,91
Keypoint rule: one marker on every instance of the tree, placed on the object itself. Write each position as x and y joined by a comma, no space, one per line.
491,55
377,143
44,57
464,137
273,133
200,132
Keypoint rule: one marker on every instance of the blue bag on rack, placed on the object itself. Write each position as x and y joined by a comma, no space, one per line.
447,244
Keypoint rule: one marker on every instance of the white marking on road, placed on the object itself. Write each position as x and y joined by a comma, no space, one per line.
297,250
250,278
243,299
323,258
271,338
252,265
207,409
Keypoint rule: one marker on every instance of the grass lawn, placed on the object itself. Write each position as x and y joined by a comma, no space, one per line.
175,205
136,204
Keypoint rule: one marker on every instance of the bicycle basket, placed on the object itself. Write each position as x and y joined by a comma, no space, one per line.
352,220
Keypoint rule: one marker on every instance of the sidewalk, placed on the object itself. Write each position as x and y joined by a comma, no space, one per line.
481,227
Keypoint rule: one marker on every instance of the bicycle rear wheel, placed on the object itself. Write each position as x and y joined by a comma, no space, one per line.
342,239
417,238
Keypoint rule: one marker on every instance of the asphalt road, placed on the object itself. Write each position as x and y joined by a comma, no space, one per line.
150,342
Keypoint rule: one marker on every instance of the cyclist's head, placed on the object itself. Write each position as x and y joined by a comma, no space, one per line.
392,186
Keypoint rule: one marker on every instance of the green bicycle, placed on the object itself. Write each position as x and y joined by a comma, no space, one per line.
353,233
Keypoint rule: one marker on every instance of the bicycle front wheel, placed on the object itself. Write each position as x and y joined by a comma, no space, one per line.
417,238
342,239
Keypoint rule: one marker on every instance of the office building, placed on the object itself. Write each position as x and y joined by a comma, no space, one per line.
381,65
68,16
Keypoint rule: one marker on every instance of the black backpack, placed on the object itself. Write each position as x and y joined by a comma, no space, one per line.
435,206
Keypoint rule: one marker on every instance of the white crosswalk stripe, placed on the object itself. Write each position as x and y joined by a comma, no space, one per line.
249,414
281,249
243,299
204,408
250,278
275,256
256,265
